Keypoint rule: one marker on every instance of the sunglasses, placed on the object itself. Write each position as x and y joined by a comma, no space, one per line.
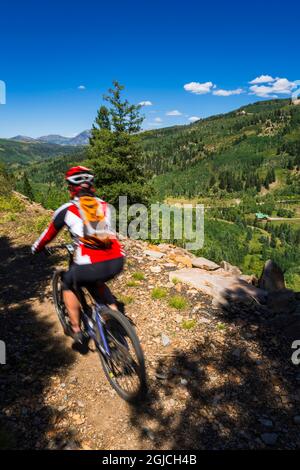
82,178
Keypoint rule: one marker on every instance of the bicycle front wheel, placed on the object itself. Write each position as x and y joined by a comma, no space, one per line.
124,367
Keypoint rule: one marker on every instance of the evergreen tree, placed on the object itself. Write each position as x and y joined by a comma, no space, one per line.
115,152
26,188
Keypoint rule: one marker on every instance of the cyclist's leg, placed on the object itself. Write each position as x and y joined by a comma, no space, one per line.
95,275
70,299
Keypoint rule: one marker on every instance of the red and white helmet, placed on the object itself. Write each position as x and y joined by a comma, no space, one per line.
78,175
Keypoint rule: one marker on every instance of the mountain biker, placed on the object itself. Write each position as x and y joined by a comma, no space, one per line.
98,254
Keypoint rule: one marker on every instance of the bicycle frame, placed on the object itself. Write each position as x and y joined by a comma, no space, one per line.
95,313
99,323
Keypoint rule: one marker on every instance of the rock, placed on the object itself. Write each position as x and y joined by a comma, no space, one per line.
165,340
282,301
155,269
178,318
269,438
161,376
272,278
204,263
181,259
296,419
230,268
154,254
183,382
227,290
149,433
266,422
236,353
249,279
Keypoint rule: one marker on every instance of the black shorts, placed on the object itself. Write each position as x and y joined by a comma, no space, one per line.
88,275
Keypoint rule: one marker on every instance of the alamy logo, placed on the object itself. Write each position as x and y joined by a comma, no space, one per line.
296,354
2,353
2,92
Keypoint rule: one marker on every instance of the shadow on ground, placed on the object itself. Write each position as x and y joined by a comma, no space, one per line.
34,356
236,388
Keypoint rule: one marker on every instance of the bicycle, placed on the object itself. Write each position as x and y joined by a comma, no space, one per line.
114,337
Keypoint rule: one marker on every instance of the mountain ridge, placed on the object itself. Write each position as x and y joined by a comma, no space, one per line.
80,139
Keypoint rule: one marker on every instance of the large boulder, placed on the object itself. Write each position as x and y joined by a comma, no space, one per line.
204,263
230,268
272,278
225,288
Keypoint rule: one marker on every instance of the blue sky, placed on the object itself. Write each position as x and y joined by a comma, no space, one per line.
178,55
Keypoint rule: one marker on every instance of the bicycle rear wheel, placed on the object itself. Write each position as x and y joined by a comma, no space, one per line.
60,308
125,366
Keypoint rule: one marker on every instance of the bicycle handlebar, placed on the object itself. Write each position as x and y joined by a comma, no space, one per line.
67,246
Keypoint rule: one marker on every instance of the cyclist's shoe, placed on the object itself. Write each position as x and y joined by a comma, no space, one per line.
78,337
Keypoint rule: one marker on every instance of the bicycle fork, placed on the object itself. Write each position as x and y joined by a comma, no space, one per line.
102,334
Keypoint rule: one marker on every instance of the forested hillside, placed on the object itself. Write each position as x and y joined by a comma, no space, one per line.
21,153
241,151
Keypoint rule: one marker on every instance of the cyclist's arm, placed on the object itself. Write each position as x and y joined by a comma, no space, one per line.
56,224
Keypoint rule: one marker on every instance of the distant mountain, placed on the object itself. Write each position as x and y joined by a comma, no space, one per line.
80,139
19,151
23,138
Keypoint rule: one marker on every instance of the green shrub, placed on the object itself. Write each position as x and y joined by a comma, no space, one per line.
41,223
126,299
138,276
188,324
158,293
131,284
178,302
11,204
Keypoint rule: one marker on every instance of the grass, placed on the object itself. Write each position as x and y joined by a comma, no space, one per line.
11,204
41,223
221,326
176,281
10,217
138,276
132,284
178,302
188,324
126,299
158,293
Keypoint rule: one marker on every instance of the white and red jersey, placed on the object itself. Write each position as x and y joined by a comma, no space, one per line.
68,215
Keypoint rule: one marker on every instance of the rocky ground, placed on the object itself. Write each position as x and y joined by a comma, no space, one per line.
218,379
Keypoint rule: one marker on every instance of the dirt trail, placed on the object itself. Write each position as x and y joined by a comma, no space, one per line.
221,382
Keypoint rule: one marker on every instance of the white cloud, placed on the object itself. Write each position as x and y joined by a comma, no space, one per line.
158,119
175,112
199,88
221,92
262,79
194,118
280,86
81,87
145,103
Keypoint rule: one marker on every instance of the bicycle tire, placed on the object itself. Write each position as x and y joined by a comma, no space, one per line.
58,301
130,333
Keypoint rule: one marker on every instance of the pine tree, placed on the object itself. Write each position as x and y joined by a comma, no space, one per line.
114,150
27,189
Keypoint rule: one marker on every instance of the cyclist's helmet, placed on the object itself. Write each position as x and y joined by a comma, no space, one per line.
78,175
